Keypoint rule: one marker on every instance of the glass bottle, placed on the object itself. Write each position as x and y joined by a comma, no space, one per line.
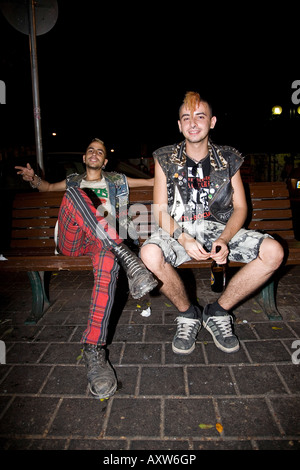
217,275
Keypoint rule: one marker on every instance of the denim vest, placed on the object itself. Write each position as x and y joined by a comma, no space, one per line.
118,192
224,163
117,188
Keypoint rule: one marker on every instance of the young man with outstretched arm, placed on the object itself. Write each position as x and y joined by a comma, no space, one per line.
84,229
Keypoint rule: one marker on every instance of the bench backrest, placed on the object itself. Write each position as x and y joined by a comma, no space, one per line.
270,209
35,214
268,203
34,217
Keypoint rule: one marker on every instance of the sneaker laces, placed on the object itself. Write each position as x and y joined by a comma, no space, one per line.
224,323
185,327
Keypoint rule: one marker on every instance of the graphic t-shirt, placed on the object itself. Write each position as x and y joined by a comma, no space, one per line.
100,190
198,190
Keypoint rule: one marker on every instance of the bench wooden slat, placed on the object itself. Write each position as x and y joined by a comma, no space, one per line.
268,225
282,234
47,263
34,242
21,204
271,204
293,258
141,194
29,223
268,191
31,232
42,196
35,213
272,214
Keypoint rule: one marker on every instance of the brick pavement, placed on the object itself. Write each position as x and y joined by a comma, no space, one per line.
208,400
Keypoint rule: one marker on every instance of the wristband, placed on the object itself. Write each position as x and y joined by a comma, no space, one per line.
39,182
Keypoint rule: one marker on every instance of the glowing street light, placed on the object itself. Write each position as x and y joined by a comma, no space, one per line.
276,110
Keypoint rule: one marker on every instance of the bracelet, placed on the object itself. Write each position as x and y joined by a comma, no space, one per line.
39,182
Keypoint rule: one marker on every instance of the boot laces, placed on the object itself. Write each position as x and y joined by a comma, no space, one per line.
95,359
130,261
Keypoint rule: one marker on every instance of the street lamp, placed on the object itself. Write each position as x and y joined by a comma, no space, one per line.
276,110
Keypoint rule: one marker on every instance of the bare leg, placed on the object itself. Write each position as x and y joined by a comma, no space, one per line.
188,323
253,275
172,286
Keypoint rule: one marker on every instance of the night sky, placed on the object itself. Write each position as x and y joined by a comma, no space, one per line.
120,73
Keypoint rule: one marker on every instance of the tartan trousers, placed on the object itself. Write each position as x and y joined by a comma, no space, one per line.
81,232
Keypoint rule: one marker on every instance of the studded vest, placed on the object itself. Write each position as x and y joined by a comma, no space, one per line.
224,163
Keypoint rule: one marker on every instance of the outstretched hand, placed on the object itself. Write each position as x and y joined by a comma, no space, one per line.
27,172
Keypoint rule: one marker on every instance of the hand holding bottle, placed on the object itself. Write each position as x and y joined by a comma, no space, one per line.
219,251
218,270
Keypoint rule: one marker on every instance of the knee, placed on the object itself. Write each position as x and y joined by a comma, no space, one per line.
271,253
151,255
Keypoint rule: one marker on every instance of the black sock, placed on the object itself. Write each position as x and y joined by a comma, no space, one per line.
192,312
215,309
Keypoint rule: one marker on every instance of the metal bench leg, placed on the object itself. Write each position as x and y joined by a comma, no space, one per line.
266,299
40,301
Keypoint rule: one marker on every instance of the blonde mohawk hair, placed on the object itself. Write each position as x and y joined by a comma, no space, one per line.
191,100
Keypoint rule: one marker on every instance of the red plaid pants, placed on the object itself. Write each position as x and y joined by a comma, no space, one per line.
77,236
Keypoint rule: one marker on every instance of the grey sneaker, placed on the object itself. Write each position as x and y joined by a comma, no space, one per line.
101,377
220,327
185,336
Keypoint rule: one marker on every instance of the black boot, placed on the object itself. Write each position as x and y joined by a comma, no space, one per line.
140,280
101,377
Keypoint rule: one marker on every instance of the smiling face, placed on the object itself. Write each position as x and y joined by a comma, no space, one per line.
195,123
95,155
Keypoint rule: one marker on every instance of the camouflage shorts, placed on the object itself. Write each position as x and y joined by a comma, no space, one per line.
243,247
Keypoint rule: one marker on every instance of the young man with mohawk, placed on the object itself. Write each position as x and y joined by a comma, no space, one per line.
199,205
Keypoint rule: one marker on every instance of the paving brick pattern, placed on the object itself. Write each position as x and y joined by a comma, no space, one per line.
207,400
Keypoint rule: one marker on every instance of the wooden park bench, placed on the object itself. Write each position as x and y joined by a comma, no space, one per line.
32,247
